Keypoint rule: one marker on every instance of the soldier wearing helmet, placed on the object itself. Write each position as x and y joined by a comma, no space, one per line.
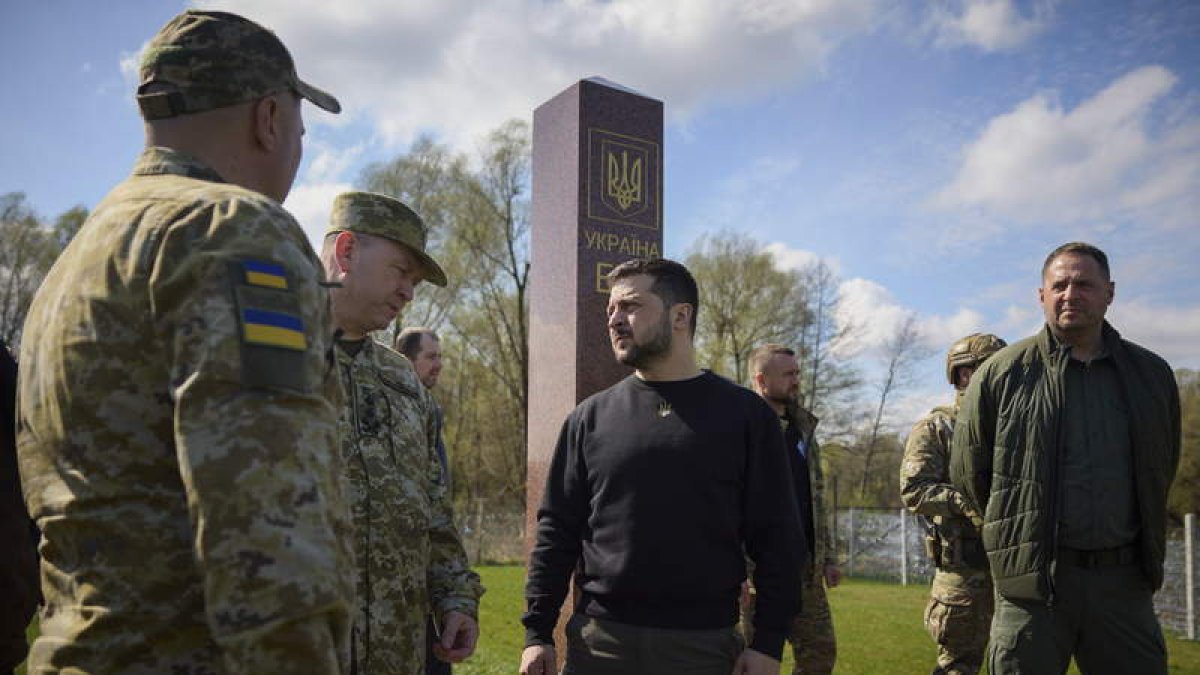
970,352
960,605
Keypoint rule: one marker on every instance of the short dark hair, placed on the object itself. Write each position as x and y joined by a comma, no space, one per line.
673,283
408,341
762,354
1079,248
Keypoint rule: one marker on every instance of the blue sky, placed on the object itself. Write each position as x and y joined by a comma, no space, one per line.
932,152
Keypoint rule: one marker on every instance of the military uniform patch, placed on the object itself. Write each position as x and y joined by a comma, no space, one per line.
273,329
268,275
274,340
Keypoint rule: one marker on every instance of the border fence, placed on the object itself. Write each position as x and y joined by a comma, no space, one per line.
887,544
492,535
872,543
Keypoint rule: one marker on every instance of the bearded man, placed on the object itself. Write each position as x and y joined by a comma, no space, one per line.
660,487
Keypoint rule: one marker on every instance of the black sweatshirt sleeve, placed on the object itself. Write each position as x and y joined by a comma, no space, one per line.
561,519
18,562
774,539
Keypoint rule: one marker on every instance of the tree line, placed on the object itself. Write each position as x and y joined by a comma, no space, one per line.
477,207
30,247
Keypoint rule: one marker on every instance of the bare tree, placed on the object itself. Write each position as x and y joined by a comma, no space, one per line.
495,231
478,214
828,384
745,301
900,353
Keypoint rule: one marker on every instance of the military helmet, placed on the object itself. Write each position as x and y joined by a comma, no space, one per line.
971,351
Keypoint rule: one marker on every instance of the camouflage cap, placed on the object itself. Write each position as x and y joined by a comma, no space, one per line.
203,60
382,216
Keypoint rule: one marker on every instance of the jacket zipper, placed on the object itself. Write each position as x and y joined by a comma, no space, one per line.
1055,462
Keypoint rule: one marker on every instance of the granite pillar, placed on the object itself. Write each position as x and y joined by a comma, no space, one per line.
597,202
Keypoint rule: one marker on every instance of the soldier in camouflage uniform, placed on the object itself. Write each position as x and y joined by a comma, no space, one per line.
959,612
177,399
410,558
422,347
775,376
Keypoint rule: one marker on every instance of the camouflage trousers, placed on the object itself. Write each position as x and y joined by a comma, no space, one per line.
959,616
810,633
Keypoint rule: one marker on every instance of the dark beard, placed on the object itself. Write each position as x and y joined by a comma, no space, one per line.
640,356
784,401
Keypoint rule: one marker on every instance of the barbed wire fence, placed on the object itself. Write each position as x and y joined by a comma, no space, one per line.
888,545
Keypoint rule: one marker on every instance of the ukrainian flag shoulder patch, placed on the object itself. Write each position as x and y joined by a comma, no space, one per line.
264,274
273,329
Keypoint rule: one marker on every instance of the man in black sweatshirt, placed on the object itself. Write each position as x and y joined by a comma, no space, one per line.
659,486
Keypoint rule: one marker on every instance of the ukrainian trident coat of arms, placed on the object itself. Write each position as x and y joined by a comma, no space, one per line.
623,181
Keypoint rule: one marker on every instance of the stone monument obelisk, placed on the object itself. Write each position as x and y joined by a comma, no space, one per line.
597,202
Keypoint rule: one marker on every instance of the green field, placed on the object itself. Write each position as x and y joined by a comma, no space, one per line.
878,627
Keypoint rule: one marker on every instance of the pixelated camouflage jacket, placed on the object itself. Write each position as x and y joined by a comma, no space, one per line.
823,548
410,557
925,487
177,438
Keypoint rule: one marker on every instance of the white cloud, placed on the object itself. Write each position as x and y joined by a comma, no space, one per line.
878,315
323,178
798,259
1019,322
939,332
1171,331
872,310
1097,163
328,163
461,68
129,63
990,25
310,203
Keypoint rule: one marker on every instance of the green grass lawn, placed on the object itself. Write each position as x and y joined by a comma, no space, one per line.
878,628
